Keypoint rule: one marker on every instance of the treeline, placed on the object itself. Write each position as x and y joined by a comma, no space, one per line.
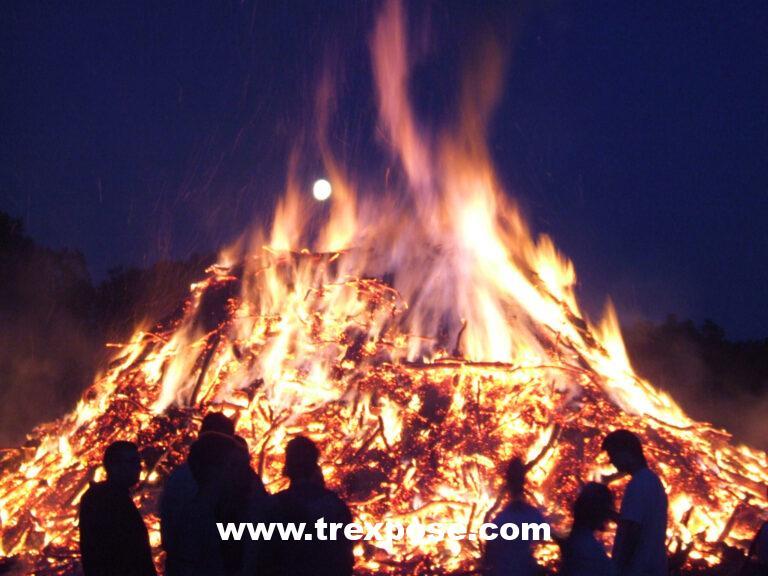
55,322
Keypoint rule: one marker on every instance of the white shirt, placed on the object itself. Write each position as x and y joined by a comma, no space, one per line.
645,503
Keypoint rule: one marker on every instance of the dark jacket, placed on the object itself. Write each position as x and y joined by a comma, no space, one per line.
306,502
113,537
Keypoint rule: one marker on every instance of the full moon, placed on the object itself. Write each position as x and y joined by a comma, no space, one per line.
321,190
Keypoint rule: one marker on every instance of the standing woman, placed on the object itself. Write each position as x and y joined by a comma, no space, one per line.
513,557
583,553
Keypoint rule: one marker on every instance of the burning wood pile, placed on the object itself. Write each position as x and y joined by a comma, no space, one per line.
402,439
422,342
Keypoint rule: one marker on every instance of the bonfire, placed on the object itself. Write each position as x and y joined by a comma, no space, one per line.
422,336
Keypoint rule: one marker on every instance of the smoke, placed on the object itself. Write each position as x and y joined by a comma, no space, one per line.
55,323
45,366
714,380
48,345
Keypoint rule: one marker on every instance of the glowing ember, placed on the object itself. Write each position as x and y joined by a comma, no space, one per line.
421,343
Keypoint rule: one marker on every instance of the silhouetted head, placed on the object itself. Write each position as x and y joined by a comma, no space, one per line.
301,456
515,477
122,464
217,422
213,457
625,451
593,507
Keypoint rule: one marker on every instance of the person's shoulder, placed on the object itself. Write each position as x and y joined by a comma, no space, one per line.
528,511
647,475
180,486
262,505
653,474
581,541
332,494
506,514
182,474
655,480
762,532
97,496
87,498
645,488
533,511
96,491
281,495
334,499
643,478
590,543
330,504
281,500
516,512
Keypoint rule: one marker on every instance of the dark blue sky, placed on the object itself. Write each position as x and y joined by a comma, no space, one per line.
634,133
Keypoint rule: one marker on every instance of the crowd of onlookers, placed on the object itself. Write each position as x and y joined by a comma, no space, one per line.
216,484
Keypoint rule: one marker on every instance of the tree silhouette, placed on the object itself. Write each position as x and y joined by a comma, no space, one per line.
55,322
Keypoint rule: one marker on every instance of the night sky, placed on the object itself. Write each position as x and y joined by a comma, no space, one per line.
636,136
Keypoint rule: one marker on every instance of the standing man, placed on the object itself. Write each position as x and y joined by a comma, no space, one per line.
179,495
307,500
639,548
113,537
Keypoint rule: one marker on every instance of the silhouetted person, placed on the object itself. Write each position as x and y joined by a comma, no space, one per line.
639,548
583,553
179,491
513,557
244,500
250,503
113,537
758,551
307,500
213,461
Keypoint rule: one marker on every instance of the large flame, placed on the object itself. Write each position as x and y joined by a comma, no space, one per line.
423,339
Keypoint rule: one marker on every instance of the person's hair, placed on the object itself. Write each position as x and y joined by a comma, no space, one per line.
301,456
217,422
624,441
514,475
116,451
593,506
210,455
